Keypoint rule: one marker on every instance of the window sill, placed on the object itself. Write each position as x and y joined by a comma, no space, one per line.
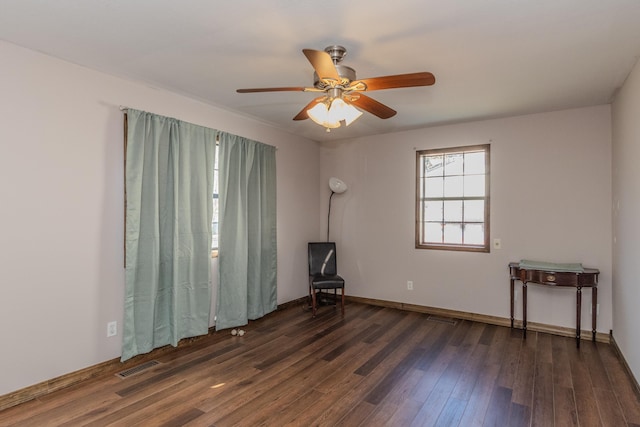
460,248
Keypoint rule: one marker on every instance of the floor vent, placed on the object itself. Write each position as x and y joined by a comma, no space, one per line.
137,369
446,320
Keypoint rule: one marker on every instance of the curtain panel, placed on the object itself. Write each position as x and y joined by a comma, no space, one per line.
247,263
169,188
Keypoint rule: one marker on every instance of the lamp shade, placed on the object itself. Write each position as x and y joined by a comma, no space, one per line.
330,113
336,185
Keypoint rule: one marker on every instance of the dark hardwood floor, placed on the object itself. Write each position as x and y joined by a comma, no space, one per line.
374,367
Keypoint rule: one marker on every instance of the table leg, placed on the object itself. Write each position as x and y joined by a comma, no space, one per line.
512,302
594,312
524,309
578,313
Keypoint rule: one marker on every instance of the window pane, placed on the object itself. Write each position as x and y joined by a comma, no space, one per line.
453,186
474,210
474,234
434,187
452,198
433,211
453,164
433,232
474,163
433,165
214,220
453,211
474,185
453,233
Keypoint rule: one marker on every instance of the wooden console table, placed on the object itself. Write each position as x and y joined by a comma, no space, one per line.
586,279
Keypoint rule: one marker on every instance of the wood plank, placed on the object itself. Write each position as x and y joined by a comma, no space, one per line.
476,409
451,413
565,406
436,370
356,415
520,416
543,398
398,404
464,339
511,360
472,370
586,404
609,408
435,342
560,361
382,389
499,407
288,414
392,346
523,382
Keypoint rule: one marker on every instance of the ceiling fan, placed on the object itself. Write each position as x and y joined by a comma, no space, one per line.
342,91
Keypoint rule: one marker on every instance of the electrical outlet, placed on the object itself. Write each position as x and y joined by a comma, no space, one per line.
497,244
112,329
409,285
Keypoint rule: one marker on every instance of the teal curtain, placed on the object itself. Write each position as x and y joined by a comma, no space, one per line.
247,263
169,206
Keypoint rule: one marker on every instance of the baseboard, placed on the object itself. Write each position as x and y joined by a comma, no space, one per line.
620,356
483,318
112,366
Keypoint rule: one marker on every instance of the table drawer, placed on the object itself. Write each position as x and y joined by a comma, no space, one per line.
552,278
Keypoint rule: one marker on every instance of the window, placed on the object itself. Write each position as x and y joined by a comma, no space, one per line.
452,199
214,220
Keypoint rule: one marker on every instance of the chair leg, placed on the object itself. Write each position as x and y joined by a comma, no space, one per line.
313,302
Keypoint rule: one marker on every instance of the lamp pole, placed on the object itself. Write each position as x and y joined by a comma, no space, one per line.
329,214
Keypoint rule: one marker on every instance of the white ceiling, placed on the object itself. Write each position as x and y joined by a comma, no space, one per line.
491,58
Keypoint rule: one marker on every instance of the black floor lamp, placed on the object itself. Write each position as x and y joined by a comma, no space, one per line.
337,186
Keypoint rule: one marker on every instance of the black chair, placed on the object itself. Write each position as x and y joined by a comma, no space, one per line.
323,273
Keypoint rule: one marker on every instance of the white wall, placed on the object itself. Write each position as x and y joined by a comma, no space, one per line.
61,215
550,201
626,218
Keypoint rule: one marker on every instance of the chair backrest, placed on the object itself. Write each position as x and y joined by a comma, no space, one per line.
322,258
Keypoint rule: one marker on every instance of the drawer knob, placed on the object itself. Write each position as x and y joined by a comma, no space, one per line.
551,278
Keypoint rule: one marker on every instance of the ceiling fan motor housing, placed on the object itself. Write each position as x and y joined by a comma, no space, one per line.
347,75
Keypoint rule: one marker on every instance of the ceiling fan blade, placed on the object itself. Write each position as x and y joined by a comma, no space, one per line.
302,115
397,81
372,106
272,89
322,64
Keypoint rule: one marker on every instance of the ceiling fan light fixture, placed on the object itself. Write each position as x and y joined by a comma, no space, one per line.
319,113
331,114
343,111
